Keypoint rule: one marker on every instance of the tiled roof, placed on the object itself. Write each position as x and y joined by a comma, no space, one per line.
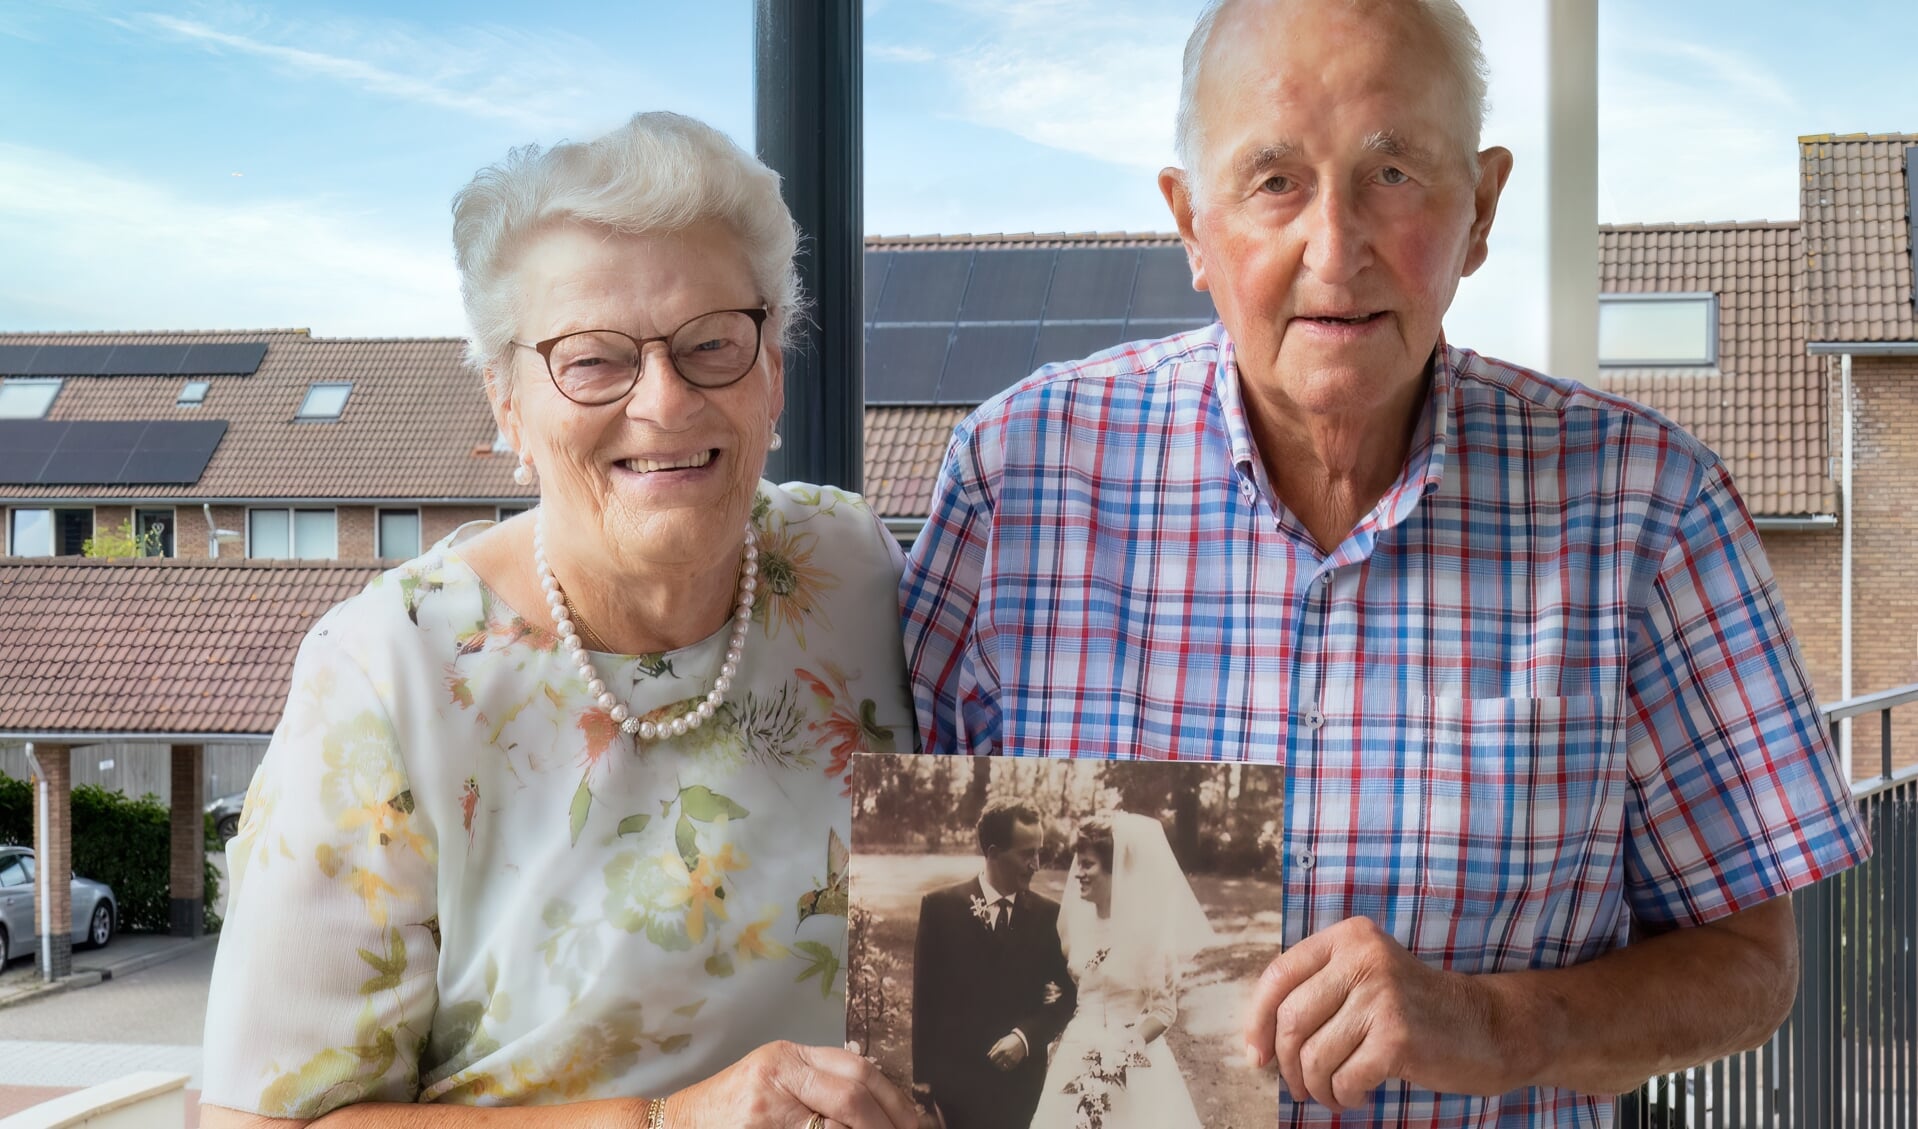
417,424
1854,200
1764,407
1020,241
904,447
157,646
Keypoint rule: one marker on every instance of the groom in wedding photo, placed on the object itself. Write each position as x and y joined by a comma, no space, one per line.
990,988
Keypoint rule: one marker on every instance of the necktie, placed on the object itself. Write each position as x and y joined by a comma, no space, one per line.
1001,913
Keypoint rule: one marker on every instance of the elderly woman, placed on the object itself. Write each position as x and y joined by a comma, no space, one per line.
555,813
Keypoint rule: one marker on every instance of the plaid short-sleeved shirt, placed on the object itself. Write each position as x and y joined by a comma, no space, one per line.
1544,687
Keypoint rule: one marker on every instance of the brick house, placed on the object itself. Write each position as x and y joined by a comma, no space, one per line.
1808,333
265,445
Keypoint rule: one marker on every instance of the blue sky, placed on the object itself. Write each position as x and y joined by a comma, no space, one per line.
189,164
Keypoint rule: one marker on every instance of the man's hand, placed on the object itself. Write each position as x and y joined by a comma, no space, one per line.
1348,1009
1008,1052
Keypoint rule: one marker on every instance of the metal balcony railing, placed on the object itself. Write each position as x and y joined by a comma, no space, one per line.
1847,1058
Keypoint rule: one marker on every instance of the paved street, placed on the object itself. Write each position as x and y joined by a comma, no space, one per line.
148,1019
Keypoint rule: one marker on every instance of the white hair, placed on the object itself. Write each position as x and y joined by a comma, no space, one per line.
660,172
1458,46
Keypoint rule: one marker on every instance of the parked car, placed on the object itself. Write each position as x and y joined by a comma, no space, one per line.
95,913
226,815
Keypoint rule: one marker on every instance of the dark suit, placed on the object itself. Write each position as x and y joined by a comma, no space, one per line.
971,985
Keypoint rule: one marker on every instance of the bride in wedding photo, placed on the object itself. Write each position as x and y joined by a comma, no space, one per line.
1128,923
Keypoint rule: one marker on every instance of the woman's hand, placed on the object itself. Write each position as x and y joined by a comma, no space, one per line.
781,1086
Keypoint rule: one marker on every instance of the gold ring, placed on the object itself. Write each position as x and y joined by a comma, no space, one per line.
816,1121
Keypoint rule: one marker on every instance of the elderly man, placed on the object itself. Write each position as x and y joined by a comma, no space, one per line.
1514,640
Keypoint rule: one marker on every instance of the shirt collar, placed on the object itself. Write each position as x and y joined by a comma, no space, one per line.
1424,466
992,895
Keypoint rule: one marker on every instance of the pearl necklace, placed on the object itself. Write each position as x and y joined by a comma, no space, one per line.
576,647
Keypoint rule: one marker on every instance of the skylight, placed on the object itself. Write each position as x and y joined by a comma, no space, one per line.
1658,330
26,397
324,401
193,394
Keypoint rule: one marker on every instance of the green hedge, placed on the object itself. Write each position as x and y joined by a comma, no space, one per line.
123,842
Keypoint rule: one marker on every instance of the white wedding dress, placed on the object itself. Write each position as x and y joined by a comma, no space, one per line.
1127,967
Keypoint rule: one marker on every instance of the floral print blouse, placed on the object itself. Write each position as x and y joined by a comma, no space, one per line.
457,881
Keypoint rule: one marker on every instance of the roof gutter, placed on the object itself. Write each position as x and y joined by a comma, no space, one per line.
56,737
1863,348
1797,521
905,528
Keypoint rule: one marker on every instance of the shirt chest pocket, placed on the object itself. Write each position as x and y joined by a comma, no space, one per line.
1515,796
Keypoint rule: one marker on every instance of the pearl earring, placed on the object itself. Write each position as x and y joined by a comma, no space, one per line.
776,444
523,473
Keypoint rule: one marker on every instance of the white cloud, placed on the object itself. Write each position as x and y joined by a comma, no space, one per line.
543,82
1100,79
347,71
1689,132
900,53
90,247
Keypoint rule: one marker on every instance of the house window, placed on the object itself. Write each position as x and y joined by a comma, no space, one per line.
154,528
193,394
512,511
307,535
49,533
324,401
23,397
1658,330
30,533
399,535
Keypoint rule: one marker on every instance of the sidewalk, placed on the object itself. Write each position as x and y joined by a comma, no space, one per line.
126,953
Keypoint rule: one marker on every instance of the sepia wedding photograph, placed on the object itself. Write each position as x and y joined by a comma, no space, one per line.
1064,944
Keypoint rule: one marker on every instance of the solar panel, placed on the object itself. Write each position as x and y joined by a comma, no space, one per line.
144,360
985,361
903,363
1008,286
877,264
1165,289
241,359
21,468
150,467
17,360
106,452
924,286
1092,284
32,434
67,467
70,360
183,435
1073,342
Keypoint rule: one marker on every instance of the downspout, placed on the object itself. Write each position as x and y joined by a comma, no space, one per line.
43,888
1844,582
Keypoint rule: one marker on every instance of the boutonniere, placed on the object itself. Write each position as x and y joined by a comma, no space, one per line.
1052,993
982,910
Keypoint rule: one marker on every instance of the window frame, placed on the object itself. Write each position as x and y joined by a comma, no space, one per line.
172,532
292,531
57,383
303,416
379,532
1712,329
54,514
501,513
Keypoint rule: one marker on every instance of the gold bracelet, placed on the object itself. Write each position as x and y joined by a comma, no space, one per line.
655,1113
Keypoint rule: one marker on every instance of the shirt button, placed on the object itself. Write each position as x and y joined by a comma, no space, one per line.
1245,488
1313,719
1306,861
1325,581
